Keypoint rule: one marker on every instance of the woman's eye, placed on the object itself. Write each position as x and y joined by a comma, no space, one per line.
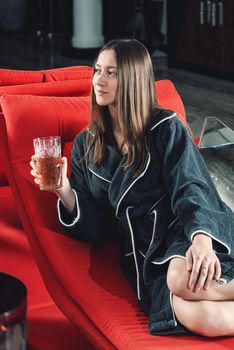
97,71
110,73
113,73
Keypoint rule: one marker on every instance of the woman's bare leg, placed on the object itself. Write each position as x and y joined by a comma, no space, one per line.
205,312
177,280
207,318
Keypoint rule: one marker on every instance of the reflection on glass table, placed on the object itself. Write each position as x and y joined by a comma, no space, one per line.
217,148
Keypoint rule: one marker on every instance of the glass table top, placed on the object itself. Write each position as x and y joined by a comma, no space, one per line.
217,148
215,132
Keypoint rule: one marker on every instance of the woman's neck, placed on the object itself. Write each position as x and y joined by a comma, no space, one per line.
114,120
116,130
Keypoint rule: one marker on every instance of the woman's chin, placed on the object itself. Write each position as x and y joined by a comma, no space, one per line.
102,103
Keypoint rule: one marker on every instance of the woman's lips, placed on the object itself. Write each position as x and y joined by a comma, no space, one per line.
100,92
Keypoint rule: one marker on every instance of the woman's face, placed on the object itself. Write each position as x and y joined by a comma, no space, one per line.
105,78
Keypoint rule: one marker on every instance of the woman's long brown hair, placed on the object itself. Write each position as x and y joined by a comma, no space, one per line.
136,99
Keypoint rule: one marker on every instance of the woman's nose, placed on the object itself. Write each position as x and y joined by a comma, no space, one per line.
101,78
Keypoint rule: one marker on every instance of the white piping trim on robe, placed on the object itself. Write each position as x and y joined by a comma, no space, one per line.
172,307
76,219
161,121
172,222
128,254
100,177
158,201
167,259
211,236
154,226
134,252
124,194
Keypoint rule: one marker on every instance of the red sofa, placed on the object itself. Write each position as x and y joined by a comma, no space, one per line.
85,282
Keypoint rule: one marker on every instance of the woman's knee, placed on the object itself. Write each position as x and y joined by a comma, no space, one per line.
177,277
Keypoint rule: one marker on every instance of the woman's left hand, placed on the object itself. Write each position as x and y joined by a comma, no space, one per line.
202,263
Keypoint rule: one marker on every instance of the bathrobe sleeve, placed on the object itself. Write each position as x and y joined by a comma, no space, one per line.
194,198
88,223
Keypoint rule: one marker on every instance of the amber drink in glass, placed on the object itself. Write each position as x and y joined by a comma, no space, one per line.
48,152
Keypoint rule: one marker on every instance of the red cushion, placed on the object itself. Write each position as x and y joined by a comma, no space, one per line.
65,74
16,77
79,277
76,82
168,97
67,88
20,77
73,68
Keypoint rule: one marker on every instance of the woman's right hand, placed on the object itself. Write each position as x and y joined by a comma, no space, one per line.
65,193
37,176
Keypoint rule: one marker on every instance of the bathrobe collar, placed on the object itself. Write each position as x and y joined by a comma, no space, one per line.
118,181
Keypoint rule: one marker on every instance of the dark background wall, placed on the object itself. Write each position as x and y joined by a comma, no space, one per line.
139,19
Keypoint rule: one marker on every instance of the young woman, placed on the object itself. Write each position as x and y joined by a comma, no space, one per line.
136,173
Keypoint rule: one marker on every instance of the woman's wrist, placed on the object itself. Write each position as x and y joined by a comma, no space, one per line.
202,238
66,187
67,196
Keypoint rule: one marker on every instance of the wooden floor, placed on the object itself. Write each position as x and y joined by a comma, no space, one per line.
203,95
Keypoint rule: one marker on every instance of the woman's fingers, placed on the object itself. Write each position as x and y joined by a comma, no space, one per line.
34,170
205,264
195,273
189,261
37,180
37,177
33,165
33,173
33,162
210,277
63,164
34,158
205,274
218,270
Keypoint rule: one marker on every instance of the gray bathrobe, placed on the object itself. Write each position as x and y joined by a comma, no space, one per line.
154,215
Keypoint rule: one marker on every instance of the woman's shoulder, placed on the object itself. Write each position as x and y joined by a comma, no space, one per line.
80,140
167,125
162,116
81,137
79,143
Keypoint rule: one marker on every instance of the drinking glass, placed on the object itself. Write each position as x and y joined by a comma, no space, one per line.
48,152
